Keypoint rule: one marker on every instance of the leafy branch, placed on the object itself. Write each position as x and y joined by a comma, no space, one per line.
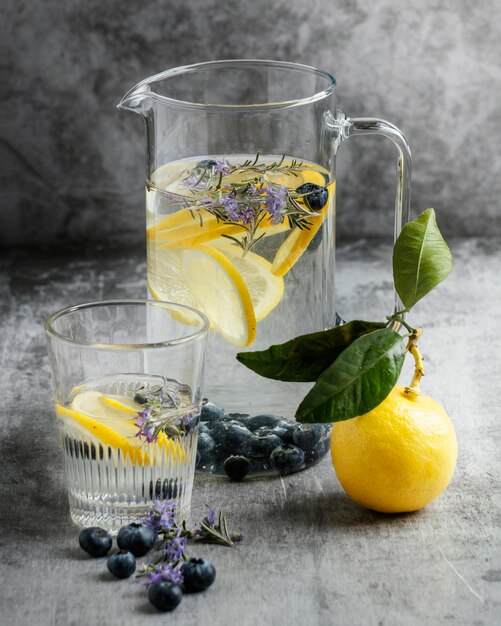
357,364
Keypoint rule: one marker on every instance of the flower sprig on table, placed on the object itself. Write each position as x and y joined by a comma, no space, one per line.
247,203
173,538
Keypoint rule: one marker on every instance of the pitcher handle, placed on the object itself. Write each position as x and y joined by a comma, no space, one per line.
373,126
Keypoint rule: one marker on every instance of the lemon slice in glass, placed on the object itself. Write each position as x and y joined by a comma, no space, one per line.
107,420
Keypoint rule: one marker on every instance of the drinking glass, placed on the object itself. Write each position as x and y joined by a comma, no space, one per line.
127,394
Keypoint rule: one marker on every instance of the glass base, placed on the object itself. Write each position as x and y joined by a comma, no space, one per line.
106,489
85,514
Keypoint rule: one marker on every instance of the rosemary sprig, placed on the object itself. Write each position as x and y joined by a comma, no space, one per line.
210,532
248,202
171,551
162,411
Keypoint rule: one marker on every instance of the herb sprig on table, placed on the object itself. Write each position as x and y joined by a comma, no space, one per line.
355,365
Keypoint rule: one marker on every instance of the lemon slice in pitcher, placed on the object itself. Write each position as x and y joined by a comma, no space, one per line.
299,239
220,291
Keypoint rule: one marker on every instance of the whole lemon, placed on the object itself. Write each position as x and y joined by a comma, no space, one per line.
398,457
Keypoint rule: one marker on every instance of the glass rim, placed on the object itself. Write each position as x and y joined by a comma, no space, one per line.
142,89
52,332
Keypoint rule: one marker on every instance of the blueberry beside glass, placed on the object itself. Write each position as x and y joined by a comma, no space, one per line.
238,445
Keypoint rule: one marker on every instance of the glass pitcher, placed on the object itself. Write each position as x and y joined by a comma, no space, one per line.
240,223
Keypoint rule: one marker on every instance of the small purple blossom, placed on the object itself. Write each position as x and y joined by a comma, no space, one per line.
222,166
173,549
164,573
207,203
236,211
275,202
162,515
191,180
170,397
145,429
210,518
230,205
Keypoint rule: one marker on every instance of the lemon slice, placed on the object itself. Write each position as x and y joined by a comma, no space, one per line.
107,420
265,289
165,277
167,282
187,228
125,404
106,435
298,240
220,291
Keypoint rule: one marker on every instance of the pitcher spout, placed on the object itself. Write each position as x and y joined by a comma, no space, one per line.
136,99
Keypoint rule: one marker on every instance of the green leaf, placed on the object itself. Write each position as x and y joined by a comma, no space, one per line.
304,358
358,380
421,258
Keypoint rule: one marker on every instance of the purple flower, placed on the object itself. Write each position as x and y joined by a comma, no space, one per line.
173,549
145,429
236,212
210,518
207,203
191,180
170,398
164,573
275,201
222,166
230,205
162,515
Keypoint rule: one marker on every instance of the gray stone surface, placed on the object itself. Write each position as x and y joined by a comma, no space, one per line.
72,166
310,556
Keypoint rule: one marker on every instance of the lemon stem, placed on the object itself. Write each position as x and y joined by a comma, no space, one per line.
412,347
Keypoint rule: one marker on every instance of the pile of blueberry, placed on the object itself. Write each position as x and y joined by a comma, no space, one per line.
136,540
239,445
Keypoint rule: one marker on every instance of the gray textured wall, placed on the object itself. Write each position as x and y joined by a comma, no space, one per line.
72,165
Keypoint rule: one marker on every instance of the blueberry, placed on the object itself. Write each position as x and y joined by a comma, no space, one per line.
315,453
284,429
218,434
165,596
198,574
315,197
206,163
205,444
237,437
230,437
238,416
140,398
137,538
122,564
261,446
258,421
203,428
95,541
211,412
287,459
307,435
236,467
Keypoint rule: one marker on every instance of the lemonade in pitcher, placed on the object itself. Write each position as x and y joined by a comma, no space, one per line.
232,236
